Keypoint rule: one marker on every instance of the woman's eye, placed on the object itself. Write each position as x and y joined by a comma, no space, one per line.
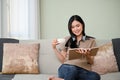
78,25
72,27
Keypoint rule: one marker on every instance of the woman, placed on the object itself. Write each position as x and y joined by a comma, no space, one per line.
77,69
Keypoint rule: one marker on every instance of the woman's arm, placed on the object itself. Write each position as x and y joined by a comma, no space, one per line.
60,55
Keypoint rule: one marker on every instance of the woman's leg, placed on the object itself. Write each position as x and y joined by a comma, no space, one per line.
87,75
93,76
68,72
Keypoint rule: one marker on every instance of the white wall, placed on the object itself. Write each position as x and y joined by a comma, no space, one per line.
3,18
102,17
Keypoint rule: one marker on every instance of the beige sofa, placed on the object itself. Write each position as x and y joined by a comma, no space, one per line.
48,63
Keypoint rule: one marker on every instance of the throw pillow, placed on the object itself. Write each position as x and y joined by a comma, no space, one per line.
20,58
105,61
5,40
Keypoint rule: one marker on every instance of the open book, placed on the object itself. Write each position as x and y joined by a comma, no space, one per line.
73,54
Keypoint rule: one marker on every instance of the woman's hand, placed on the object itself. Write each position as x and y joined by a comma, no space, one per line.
84,51
61,55
54,43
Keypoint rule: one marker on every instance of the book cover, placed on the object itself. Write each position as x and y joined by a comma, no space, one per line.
73,54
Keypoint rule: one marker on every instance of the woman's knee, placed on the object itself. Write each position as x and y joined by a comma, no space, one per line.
67,68
95,76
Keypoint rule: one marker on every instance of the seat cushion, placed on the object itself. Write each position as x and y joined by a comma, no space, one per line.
33,76
109,76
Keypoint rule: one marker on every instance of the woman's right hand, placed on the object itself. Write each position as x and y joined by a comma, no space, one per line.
54,43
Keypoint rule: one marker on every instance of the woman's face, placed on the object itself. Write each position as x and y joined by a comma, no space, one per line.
77,28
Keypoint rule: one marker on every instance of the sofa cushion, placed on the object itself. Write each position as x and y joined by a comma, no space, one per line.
105,61
33,76
6,76
20,58
5,40
46,56
110,76
116,49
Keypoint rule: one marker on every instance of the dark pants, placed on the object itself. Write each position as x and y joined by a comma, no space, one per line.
71,72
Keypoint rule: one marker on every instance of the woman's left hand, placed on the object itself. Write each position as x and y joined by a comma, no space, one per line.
84,51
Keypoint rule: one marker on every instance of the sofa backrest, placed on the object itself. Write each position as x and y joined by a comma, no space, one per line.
48,62
100,42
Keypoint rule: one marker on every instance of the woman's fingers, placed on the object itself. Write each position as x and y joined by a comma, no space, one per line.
83,50
54,43
80,50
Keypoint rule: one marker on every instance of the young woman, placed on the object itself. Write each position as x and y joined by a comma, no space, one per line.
77,69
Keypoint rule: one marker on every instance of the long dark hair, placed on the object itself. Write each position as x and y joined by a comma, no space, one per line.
79,19
72,41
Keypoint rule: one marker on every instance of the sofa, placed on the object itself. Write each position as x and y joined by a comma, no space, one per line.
49,64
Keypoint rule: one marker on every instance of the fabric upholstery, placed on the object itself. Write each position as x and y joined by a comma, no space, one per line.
116,49
5,40
20,58
105,61
47,56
